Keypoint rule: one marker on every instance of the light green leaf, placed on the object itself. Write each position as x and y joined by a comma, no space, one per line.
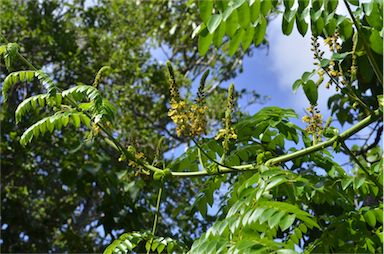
296,85
267,214
214,22
376,42
76,120
274,220
370,218
286,221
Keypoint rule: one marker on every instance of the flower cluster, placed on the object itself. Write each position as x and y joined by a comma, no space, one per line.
190,119
333,42
317,55
315,123
228,132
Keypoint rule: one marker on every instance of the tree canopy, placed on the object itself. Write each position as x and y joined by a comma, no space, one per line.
89,116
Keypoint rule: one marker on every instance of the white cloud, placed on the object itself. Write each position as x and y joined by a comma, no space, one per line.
290,57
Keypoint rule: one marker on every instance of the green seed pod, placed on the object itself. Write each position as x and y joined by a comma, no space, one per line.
260,158
131,150
200,92
158,175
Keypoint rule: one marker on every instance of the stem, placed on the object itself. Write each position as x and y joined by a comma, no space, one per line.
211,159
343,136
156,217
349,91
371,60
284,158
373,179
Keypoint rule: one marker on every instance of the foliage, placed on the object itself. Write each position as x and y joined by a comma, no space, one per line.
277,199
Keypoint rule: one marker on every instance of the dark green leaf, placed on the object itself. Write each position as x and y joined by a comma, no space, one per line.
205,40
244,14
260,30
376,42
255,10
219,34
232,24
288,21
235,41
286,221
310,90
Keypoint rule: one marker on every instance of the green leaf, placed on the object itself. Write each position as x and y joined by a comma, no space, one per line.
276,180
248,38
340,57
205,7
256,214
324,62
303,228
214,22
346,30
219,34
85,119
288,3
275,219
370,218
288,21
376,42
267,214
197,30
310,90
296,85
255,10
235,41
346,182
205,40
354,2
260,31
244,14
228,12
266,7
76,120
232,24
331,5
287,221
379,214
302,26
